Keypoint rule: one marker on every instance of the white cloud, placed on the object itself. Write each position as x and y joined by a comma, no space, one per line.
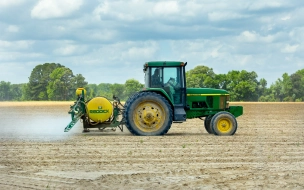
261,4
247,36
69,48
122,10
139,53
166,8
297,34
10,56
290,48
252,37
8,3
103,35
128,51
16,45
224,15
46,9
201,51
12,28
102,8
136,10
192,8
245,59
285,18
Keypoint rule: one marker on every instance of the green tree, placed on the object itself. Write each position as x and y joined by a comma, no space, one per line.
242,85
16,91
283,89
297,80
287,88
118,90
200,77
25,93
297,85
132,86
221,81
268,97
79,81
277,90
105,90
5,93
91,91
63,84
262,86
39,79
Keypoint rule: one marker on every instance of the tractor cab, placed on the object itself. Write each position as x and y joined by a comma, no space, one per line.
168,79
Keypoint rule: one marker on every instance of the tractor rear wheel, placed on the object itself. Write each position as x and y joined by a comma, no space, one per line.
223,123
148,114
207,124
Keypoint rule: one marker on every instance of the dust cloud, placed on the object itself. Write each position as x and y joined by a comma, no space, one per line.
35,121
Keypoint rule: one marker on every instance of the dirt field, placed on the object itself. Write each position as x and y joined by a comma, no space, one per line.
267,152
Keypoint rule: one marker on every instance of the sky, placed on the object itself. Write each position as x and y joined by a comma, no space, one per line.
109,41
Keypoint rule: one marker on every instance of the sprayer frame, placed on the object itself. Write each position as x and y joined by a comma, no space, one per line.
111,123
79,111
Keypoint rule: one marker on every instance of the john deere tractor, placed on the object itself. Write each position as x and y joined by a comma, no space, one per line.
164,100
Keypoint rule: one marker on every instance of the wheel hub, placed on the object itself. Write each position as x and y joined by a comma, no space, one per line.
224,125
148,116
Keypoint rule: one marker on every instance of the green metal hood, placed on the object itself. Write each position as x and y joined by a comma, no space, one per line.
207,91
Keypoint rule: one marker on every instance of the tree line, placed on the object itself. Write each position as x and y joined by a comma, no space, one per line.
55,82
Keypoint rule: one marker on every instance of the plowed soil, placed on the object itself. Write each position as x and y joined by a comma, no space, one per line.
267,152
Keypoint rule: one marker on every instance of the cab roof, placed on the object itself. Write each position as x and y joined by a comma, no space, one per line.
164,64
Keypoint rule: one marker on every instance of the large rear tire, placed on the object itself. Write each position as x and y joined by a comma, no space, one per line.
148,114
207,124
223,123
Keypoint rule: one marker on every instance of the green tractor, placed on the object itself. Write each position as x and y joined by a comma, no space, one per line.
164,100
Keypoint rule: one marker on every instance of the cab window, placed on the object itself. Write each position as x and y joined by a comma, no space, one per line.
172,83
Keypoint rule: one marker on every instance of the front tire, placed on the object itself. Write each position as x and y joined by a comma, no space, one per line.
223,123
148,114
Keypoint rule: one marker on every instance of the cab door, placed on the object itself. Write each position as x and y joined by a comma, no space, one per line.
173,84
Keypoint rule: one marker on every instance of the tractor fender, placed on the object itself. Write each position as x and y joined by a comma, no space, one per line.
159,91
236,110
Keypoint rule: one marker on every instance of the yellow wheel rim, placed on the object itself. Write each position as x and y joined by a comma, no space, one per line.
149,116
224,125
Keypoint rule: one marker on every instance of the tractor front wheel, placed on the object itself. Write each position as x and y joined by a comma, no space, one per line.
223,123
148,114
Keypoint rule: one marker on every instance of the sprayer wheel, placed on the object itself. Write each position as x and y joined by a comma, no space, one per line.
223,123
207,124
148,114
